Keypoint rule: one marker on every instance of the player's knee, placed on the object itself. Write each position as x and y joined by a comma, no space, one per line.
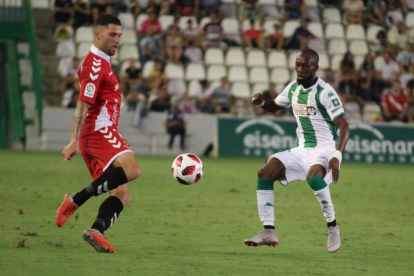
314,173
261,173
125,198
133,173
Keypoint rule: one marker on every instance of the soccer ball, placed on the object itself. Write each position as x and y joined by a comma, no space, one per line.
187,168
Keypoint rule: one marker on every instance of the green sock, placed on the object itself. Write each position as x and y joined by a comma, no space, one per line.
264,184
317,183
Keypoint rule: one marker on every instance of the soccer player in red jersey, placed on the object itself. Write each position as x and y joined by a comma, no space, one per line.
106,153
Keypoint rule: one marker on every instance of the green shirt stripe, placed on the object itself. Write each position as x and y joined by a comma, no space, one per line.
291,90
325,115
305,122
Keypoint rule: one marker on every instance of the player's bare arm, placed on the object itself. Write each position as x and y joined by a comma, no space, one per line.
344,132
78,118
268,105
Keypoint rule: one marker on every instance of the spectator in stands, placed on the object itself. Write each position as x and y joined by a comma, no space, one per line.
208,7
380,44
398,37
190,34
376,11
140,6
157,77
188,104
330,78
203,98
213,33
354,10
368,63
301,36
100,7
173,46
393,16
249,9
131,76
69,75
63,32
406,77
390,70
410,96
294,10
74,95
151,48
187,7
151,25
83,14
174,25
347,66
136,97
395,104
370,86
223,98
275,39
405,57
162,101
252,37
63,11
175,124
192,53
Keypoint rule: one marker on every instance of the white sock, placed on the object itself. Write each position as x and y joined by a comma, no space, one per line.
265,202
324,199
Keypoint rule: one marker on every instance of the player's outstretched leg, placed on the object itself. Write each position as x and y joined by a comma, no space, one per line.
98,241
109,180
334,239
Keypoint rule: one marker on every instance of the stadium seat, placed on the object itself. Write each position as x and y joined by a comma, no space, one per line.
166,21
176,87
66,48
372,32
292,59
141,18
256,58
260,87
280,75
316,28
379,62
392,17
268,26
63,64
337,46
277,59
294,75
183,21
237,73
149,65
358,47
311,3
229,9
270,11
246,25
267,2
241,89
409,20
331,15
259,74
127,20
40,4
174,71
129,36
230,26
214,56
355,31
204,21
336,61
290,27
193,87
128,51
334,30
323,61
84,34
216,72
235,56
195,71
280,3
371,112
125,65
358,60
83,49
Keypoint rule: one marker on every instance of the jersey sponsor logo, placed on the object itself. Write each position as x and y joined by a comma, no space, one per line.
303,110
336,109
330,94
89,90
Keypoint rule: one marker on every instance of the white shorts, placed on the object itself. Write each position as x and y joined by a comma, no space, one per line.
298,161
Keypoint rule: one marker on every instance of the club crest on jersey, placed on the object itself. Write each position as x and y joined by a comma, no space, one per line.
311,97
116,87
89,90
303,110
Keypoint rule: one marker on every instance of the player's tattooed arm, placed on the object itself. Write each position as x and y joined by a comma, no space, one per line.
344,132
78,119
268,105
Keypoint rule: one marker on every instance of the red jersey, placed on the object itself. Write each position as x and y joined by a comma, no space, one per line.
100,88
395,102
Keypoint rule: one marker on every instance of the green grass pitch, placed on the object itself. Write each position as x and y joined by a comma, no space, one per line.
171,229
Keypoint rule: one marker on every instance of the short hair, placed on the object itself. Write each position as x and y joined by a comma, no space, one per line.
107,19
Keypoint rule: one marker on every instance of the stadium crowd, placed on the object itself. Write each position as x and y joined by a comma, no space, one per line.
210,56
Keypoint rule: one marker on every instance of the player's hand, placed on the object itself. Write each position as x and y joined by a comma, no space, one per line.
70,150
257,99
334,166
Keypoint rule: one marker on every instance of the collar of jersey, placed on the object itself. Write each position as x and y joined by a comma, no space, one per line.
310,88
99,53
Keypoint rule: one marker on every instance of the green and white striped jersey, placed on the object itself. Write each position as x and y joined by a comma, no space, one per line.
315,109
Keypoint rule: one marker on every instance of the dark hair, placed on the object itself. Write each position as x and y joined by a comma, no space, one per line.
107,19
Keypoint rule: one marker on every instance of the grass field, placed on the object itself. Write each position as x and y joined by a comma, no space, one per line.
171,229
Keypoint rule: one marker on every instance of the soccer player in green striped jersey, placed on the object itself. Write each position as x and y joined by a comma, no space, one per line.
322,134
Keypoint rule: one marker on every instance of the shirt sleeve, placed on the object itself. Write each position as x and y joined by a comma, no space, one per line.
90,77
282,99
332,103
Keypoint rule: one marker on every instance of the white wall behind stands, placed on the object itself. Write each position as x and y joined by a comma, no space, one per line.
150,138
